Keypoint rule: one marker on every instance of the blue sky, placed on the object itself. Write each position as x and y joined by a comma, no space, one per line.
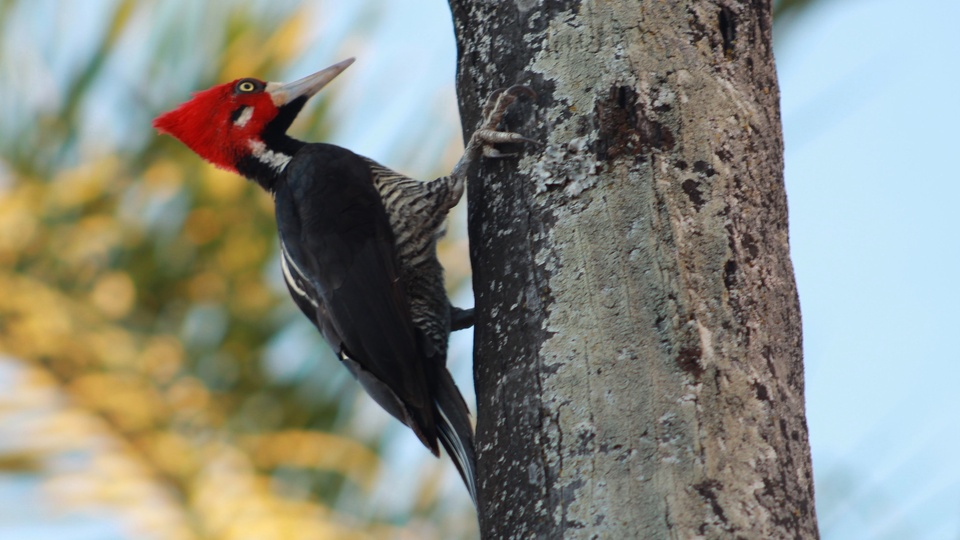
869,102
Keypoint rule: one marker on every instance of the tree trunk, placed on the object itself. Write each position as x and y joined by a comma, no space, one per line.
638,346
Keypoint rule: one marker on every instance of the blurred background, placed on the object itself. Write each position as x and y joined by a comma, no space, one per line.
157,383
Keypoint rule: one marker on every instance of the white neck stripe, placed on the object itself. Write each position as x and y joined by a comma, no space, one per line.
274,160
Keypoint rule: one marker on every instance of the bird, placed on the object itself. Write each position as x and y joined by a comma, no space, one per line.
357,243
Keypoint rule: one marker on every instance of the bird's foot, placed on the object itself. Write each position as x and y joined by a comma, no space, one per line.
488,134
460,319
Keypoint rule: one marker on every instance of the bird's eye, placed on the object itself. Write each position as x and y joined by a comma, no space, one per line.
247,86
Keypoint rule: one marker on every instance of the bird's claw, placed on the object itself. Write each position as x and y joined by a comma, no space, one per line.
488,134
460,318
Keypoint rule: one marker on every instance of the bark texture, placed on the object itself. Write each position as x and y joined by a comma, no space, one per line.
638,343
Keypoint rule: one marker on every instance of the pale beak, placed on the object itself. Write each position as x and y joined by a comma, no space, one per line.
307,86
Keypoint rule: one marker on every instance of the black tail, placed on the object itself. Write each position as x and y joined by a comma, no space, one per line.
456,433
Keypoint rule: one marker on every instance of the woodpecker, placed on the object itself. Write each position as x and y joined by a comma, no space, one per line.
357,244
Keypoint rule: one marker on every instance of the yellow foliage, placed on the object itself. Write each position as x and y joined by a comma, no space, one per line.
249,54
161,358
171,453
223,186
163,174
315,450
35,323
202,226
102,261
114,294
87,245
241,249
287,42
114,347
86,465
235,503
126,399
79,186
188,395
251,295
207,287
18,228
243,58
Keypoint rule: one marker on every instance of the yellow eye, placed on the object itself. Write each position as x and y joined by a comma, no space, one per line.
246,86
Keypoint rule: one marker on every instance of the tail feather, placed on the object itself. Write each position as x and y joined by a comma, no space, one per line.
456,432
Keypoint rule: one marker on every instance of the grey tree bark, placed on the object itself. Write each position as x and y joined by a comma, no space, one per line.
638,344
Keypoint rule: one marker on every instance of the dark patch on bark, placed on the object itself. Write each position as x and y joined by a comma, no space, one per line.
625,127
611,142
761,390
654,135
704,168
708,490
584,442
569,497
764,17
689,361
750,244
727,21
662,108
618,449
692,189
767,353
698,30
730,274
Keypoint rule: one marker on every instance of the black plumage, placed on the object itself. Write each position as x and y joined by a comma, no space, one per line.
375,300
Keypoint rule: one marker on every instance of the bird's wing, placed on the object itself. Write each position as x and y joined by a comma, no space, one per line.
337,239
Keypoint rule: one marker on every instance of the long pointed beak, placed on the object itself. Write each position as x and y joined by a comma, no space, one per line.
307,86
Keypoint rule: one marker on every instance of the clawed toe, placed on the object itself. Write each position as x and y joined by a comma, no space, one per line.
497,104
522,89
497,137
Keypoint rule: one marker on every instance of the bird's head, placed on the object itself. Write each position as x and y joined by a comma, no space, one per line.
244,119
